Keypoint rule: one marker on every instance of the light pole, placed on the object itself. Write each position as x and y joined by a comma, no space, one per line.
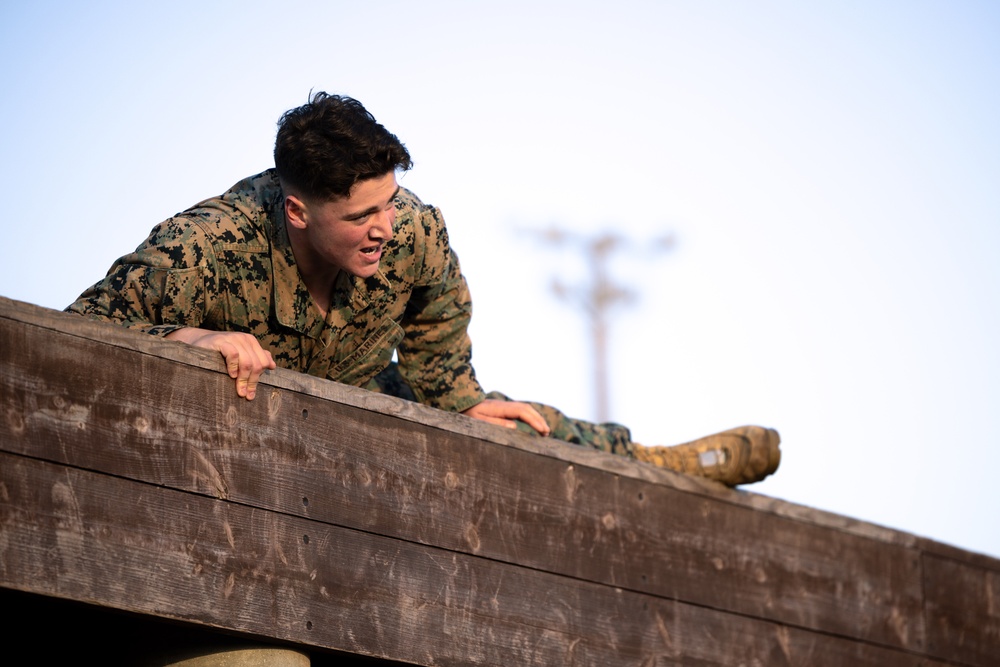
597,297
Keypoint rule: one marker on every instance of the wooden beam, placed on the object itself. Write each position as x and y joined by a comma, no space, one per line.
143,548
143,415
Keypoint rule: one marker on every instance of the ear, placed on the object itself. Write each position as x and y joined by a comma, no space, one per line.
296,212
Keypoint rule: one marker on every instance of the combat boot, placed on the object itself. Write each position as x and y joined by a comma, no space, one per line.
741,455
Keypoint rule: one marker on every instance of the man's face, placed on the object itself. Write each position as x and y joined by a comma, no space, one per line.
350,233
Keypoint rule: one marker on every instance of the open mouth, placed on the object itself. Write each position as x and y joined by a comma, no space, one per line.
372,253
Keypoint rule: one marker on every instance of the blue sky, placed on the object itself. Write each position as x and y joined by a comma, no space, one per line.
829,172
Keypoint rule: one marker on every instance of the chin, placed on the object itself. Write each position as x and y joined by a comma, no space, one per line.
366,271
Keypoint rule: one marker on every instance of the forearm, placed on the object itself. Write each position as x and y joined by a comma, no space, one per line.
436,355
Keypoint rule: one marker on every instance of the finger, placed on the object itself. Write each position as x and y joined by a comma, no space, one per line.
506,423
246,360
239,364
529,416
246,383
265,362
254,360
532,418
232,362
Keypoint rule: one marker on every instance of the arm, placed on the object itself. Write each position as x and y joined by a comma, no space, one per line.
167,287
162,286
436,355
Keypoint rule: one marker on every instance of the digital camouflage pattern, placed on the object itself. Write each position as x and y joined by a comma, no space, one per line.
226,265
607,437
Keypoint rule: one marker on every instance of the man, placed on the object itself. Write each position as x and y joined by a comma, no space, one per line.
326,266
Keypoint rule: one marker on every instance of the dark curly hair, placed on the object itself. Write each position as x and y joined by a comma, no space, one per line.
326,146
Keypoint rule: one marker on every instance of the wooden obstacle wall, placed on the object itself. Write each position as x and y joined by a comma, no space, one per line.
134,481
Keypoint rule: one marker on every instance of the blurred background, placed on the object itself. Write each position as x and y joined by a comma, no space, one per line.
799,202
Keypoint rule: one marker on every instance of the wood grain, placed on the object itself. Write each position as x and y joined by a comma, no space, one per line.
134,478
68,533
148,418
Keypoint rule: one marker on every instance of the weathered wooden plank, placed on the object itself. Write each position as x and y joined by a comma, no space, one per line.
316,458
128,545
58,631
116,337
963,610
413,412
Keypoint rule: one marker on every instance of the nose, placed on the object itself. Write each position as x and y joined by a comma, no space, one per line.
381,229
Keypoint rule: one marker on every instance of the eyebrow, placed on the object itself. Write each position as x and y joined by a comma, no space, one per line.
371,209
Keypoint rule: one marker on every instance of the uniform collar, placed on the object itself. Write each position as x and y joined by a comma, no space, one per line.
293,304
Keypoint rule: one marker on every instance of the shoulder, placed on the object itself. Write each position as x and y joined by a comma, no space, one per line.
237,220
243,214
417,223
420,248
412,213
409,204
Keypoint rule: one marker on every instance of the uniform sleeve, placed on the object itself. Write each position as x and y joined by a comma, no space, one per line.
160,287
435,356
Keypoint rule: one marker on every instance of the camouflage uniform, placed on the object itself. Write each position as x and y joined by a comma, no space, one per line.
227,265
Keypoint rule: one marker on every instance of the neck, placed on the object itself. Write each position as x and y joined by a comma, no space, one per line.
317,275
